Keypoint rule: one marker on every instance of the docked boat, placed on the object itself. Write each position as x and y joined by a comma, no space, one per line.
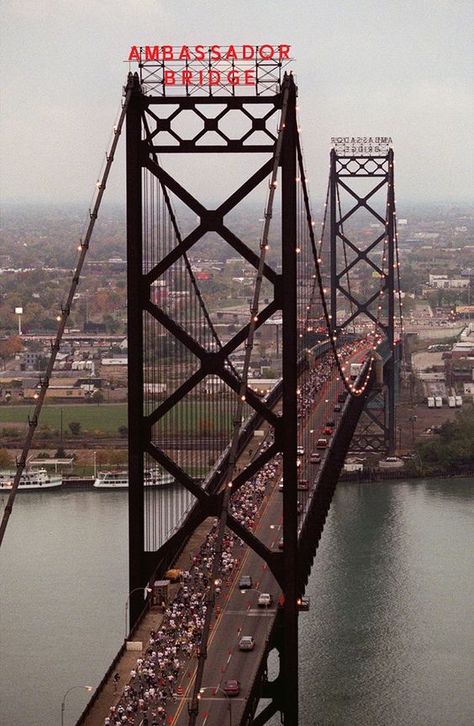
30,479
119,479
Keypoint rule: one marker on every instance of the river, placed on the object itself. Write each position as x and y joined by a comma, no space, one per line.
388,641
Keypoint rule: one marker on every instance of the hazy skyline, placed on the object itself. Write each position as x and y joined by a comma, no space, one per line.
362,67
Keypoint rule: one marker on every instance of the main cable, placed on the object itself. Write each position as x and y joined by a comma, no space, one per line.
63,318
332,338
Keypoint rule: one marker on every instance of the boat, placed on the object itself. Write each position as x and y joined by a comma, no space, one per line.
119,479
30,479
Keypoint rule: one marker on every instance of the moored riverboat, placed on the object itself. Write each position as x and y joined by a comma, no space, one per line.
119,479
30,479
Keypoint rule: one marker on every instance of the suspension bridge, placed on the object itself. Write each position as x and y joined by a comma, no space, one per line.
250,503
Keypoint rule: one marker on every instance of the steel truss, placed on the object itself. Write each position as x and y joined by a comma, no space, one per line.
144,125
376,431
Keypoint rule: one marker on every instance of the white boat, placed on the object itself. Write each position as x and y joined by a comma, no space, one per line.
30,479
119,479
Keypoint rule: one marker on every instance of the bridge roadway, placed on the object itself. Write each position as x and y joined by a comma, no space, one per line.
240,614
237,613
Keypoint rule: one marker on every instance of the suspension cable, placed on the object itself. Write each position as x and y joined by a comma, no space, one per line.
332,337
319,252
237,420
63,318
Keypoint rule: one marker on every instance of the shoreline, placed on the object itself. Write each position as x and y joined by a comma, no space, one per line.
374,477
85,484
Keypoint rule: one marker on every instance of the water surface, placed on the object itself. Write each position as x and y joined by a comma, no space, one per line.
389,639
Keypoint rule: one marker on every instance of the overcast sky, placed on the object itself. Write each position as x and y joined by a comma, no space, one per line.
401,68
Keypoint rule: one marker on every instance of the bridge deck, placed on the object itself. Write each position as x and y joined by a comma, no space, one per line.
236,613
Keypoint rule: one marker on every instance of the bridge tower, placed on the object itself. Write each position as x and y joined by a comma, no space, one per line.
196,124
364,274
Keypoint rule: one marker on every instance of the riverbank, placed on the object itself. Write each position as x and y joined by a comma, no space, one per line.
365,477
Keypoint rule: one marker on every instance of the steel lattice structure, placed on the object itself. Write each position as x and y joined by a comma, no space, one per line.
203,355
367,181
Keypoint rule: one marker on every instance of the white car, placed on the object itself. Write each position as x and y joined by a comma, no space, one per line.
246,642
300,451
264,600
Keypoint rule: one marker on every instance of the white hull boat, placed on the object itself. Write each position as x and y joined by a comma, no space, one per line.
119,479
30,479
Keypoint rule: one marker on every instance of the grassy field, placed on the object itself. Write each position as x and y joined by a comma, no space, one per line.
107,417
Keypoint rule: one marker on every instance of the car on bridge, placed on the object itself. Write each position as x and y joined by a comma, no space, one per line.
315,458
246,642
337,408
303,603
321,443
303,485
245,582
328,430
265,600
300,451
342,396
231,688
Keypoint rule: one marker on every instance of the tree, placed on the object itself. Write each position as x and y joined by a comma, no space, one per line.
453,449
75,427
10,346
5,458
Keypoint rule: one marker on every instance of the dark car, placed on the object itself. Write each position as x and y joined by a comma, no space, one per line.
342,396
303,603
231,688
303,485
337,408
245,582
331,424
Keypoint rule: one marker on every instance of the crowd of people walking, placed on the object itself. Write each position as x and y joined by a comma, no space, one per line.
153,684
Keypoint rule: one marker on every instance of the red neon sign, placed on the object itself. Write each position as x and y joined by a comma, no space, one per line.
201,66
202,52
